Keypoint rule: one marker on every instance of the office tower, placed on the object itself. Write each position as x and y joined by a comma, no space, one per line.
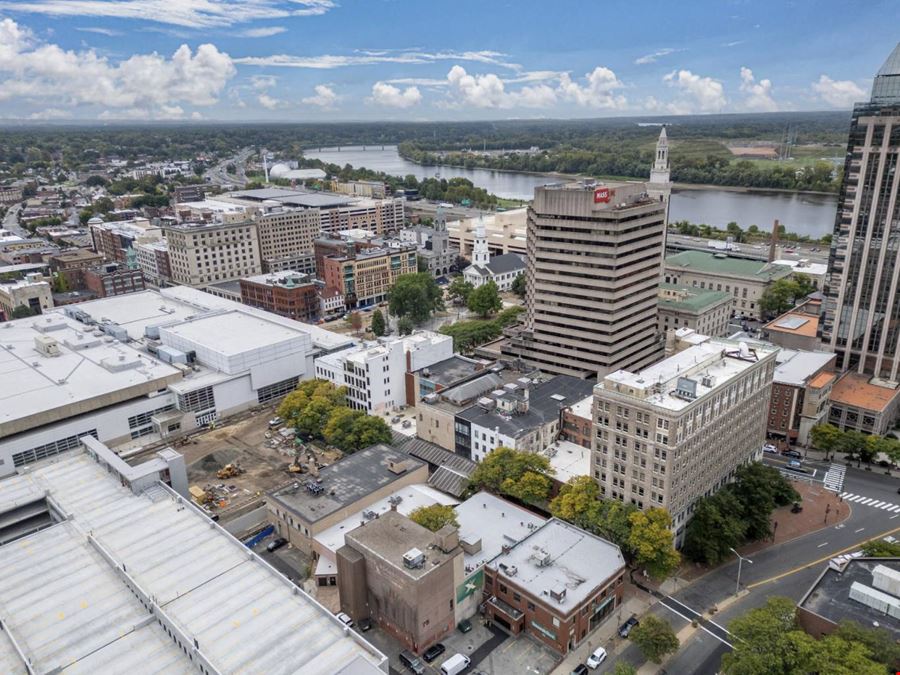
861,313
595,255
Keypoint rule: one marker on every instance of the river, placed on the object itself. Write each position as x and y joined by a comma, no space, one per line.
810,214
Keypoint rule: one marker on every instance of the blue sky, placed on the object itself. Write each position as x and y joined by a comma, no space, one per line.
308,60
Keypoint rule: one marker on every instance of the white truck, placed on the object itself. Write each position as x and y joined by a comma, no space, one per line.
455,664
723,245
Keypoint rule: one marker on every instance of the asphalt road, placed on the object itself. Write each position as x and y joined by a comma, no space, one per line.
11,223
749,251
219,175
787,569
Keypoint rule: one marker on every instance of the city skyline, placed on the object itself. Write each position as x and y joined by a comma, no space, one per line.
319,60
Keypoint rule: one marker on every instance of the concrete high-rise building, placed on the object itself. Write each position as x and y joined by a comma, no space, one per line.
204,253
861,312
669,434
595,257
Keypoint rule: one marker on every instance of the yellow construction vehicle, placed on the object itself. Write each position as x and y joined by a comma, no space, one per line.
229,471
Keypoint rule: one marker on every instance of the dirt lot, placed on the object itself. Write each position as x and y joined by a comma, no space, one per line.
243,442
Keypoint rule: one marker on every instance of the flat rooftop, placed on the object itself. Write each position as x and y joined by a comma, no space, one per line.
583,408
720,264
795,323
569,460
235,332
830,595
87,371
558,557
345,482
450,371
407,500
798,367
721,360
71,607
392,535
690,299
490,522
856,390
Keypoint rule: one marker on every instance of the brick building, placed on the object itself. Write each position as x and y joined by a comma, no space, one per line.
801,386
557,584
113,279
72,264
289,294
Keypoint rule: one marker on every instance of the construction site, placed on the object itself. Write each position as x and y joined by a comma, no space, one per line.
231,467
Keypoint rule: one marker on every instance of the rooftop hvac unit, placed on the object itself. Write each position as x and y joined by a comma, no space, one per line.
709,381
414,558
46,345
686,388
558,593
512,571
886,579
877,600
541,557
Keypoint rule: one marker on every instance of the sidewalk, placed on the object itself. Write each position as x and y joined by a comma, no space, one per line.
636,602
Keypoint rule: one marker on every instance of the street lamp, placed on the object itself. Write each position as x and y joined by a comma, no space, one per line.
741,559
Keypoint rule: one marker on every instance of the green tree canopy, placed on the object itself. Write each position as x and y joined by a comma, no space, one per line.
879,548
825,437
415,297
782,294
518,285
459,290
378,323
405,326
352,430
651,540
22,312
655,638
716,527
485,300
434,517
523,475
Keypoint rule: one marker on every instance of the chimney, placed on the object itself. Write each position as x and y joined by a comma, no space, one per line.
773,242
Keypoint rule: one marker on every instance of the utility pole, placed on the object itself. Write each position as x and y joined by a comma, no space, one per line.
741,559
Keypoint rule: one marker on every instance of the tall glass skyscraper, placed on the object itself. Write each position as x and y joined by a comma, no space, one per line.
861,312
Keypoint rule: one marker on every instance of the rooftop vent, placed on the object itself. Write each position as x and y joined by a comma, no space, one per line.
558,593
46,345
685,388
397,466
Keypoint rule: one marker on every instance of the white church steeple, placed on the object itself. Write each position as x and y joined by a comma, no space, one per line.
660,184
480,254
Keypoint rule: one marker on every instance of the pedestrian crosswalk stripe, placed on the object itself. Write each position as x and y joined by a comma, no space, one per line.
856,498
866,502
895,509
876,505
887,505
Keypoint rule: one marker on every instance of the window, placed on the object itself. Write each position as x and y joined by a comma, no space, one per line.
50,449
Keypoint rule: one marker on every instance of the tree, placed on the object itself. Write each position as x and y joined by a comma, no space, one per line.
378,324
309,406
405,326
578,502
884,649
622,667
339,430
485,300
655,638
421,264
853,444
369,430
356,321
434,517
459,290
879,548
760,489
95,181
716,527
22,312
651,540
60,283
312,420
416,297
510,472
518,285
825,437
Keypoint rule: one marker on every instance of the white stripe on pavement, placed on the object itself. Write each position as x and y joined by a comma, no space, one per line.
876,505
887,505
895,509
857,498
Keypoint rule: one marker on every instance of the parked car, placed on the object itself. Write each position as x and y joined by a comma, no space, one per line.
796,454
464,626
455,664
412,662
433,652
276,544
580,669
771,449
625,628
345,619
275,421
595,659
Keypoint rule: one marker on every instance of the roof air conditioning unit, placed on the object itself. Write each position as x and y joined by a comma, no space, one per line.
414,558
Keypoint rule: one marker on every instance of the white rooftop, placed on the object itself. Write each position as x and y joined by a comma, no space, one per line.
569,460
559,556
411,498
583,407
236,332
721,360
802,266
88,367
495,523
796,367
91,594
213,205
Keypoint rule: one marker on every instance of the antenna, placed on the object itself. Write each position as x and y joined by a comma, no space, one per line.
265,165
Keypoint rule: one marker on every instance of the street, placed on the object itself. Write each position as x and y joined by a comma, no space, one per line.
801,251
219,175
787,569
11,222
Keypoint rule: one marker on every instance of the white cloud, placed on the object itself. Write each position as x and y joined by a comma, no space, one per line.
759,93
394,97
267,31
367,58
263,82
325,97
700,94
655,56
597,92
196,115
109,32
268,102
197,14
479,91
838,93
50,114
154,83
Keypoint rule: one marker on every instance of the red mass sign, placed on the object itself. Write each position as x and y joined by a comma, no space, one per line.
601,195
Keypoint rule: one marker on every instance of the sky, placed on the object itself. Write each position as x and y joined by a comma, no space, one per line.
329,60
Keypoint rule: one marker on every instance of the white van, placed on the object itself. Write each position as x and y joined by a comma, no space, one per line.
455,664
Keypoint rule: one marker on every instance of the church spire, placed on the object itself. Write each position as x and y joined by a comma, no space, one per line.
480,253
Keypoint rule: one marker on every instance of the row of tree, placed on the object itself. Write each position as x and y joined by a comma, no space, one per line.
740,235
738,513
784,294
318,410
470,334
856,445
484,300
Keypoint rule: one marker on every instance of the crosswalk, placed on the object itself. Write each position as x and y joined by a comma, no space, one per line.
834,477
862,500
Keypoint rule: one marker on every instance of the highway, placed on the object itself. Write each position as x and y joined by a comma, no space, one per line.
753,251
218,174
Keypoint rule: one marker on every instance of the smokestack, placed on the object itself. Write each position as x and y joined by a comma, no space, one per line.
773,244
265,166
